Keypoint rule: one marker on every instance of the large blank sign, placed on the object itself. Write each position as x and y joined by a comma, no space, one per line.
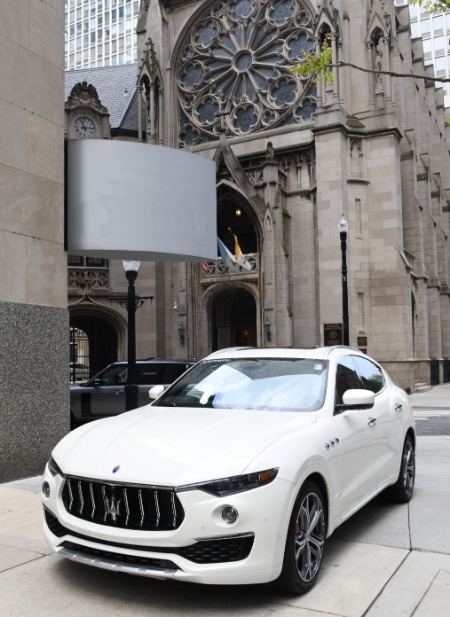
127,200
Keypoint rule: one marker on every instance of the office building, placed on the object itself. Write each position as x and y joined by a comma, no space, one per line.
100,32
434,29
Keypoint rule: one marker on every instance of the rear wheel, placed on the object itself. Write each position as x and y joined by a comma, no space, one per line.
402,491
305,541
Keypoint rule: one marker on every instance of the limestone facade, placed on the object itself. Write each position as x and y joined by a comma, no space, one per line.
293,156
33,301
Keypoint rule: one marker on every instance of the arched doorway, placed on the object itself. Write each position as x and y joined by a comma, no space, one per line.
233,319
102,340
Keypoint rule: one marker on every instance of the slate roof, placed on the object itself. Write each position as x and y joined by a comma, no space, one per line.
116,88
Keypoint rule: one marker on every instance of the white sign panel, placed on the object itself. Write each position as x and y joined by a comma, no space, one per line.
128,200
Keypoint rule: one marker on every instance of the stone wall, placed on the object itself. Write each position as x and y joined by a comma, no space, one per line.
34,343
34,390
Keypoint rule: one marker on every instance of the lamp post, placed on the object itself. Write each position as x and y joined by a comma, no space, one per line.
131,390
343,231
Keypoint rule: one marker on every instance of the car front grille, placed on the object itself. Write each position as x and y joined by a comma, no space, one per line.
210,550
123,506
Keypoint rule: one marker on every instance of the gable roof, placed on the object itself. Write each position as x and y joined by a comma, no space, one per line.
116,88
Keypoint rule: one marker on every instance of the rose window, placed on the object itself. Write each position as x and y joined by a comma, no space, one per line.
234,69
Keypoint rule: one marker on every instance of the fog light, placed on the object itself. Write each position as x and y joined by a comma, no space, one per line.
229,514
46,489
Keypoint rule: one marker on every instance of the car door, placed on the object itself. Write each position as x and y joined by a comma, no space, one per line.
106,396
358,442
390,403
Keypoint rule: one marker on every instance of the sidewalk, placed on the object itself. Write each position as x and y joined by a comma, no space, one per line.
386,561
436,398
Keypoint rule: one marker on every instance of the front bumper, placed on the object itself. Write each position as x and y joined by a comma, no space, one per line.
204,549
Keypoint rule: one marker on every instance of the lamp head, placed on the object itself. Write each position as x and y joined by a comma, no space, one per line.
131,270
343,225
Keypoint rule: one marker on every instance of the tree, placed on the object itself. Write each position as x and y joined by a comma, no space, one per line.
320,65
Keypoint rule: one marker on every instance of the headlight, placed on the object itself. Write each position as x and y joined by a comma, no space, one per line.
235,484
53,468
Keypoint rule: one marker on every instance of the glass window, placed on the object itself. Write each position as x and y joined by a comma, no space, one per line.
425,26
414,30
439,65
346,378
438,23
371,375
269,384
439,44
427,48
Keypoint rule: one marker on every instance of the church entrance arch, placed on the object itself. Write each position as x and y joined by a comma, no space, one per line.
94,341
233,318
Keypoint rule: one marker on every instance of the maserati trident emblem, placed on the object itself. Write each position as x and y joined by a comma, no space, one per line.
112,508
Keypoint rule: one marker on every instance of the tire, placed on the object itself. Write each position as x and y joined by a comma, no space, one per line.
305,542
402,491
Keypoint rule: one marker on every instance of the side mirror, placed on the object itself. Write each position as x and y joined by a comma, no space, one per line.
357,399
155,392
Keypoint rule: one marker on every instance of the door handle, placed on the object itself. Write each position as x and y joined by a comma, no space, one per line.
371,421
398,407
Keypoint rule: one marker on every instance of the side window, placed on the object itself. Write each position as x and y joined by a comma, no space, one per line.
346,378
112,376
371,375
148,374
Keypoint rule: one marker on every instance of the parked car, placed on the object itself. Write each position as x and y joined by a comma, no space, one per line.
237,473
104,394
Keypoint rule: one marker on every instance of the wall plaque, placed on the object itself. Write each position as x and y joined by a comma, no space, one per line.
332,334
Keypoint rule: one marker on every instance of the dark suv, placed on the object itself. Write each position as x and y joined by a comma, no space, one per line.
104,394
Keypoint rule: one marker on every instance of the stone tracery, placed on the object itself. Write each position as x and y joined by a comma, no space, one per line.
237,57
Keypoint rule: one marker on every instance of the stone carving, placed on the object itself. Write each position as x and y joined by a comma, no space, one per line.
85,95
239,53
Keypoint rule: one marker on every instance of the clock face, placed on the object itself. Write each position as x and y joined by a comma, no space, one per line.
84,127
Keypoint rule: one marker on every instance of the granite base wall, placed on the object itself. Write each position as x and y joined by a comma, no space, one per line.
34,386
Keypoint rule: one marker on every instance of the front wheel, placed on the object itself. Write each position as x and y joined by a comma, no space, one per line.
305,541
402,491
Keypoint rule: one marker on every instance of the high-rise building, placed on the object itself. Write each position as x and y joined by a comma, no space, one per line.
434,28
100,32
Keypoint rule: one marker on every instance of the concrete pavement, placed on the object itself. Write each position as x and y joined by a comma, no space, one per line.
386,561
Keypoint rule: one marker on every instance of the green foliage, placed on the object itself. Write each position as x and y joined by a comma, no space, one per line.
317,64
432,5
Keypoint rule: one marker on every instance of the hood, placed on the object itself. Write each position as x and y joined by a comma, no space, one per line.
174,446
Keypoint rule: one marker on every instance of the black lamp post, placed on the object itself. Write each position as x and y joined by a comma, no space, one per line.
343,231
131,390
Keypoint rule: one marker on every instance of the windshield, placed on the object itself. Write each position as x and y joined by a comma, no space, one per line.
272,384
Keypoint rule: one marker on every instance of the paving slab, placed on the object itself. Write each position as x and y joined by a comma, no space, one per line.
422,582
21,520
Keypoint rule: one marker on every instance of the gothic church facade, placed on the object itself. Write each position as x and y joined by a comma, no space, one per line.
292,156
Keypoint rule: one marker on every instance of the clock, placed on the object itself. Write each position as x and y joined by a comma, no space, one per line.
84,127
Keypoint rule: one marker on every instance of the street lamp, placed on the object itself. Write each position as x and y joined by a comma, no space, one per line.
131,389
343,231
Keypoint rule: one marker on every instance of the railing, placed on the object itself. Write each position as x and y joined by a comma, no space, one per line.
434,372
446,370
218,268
